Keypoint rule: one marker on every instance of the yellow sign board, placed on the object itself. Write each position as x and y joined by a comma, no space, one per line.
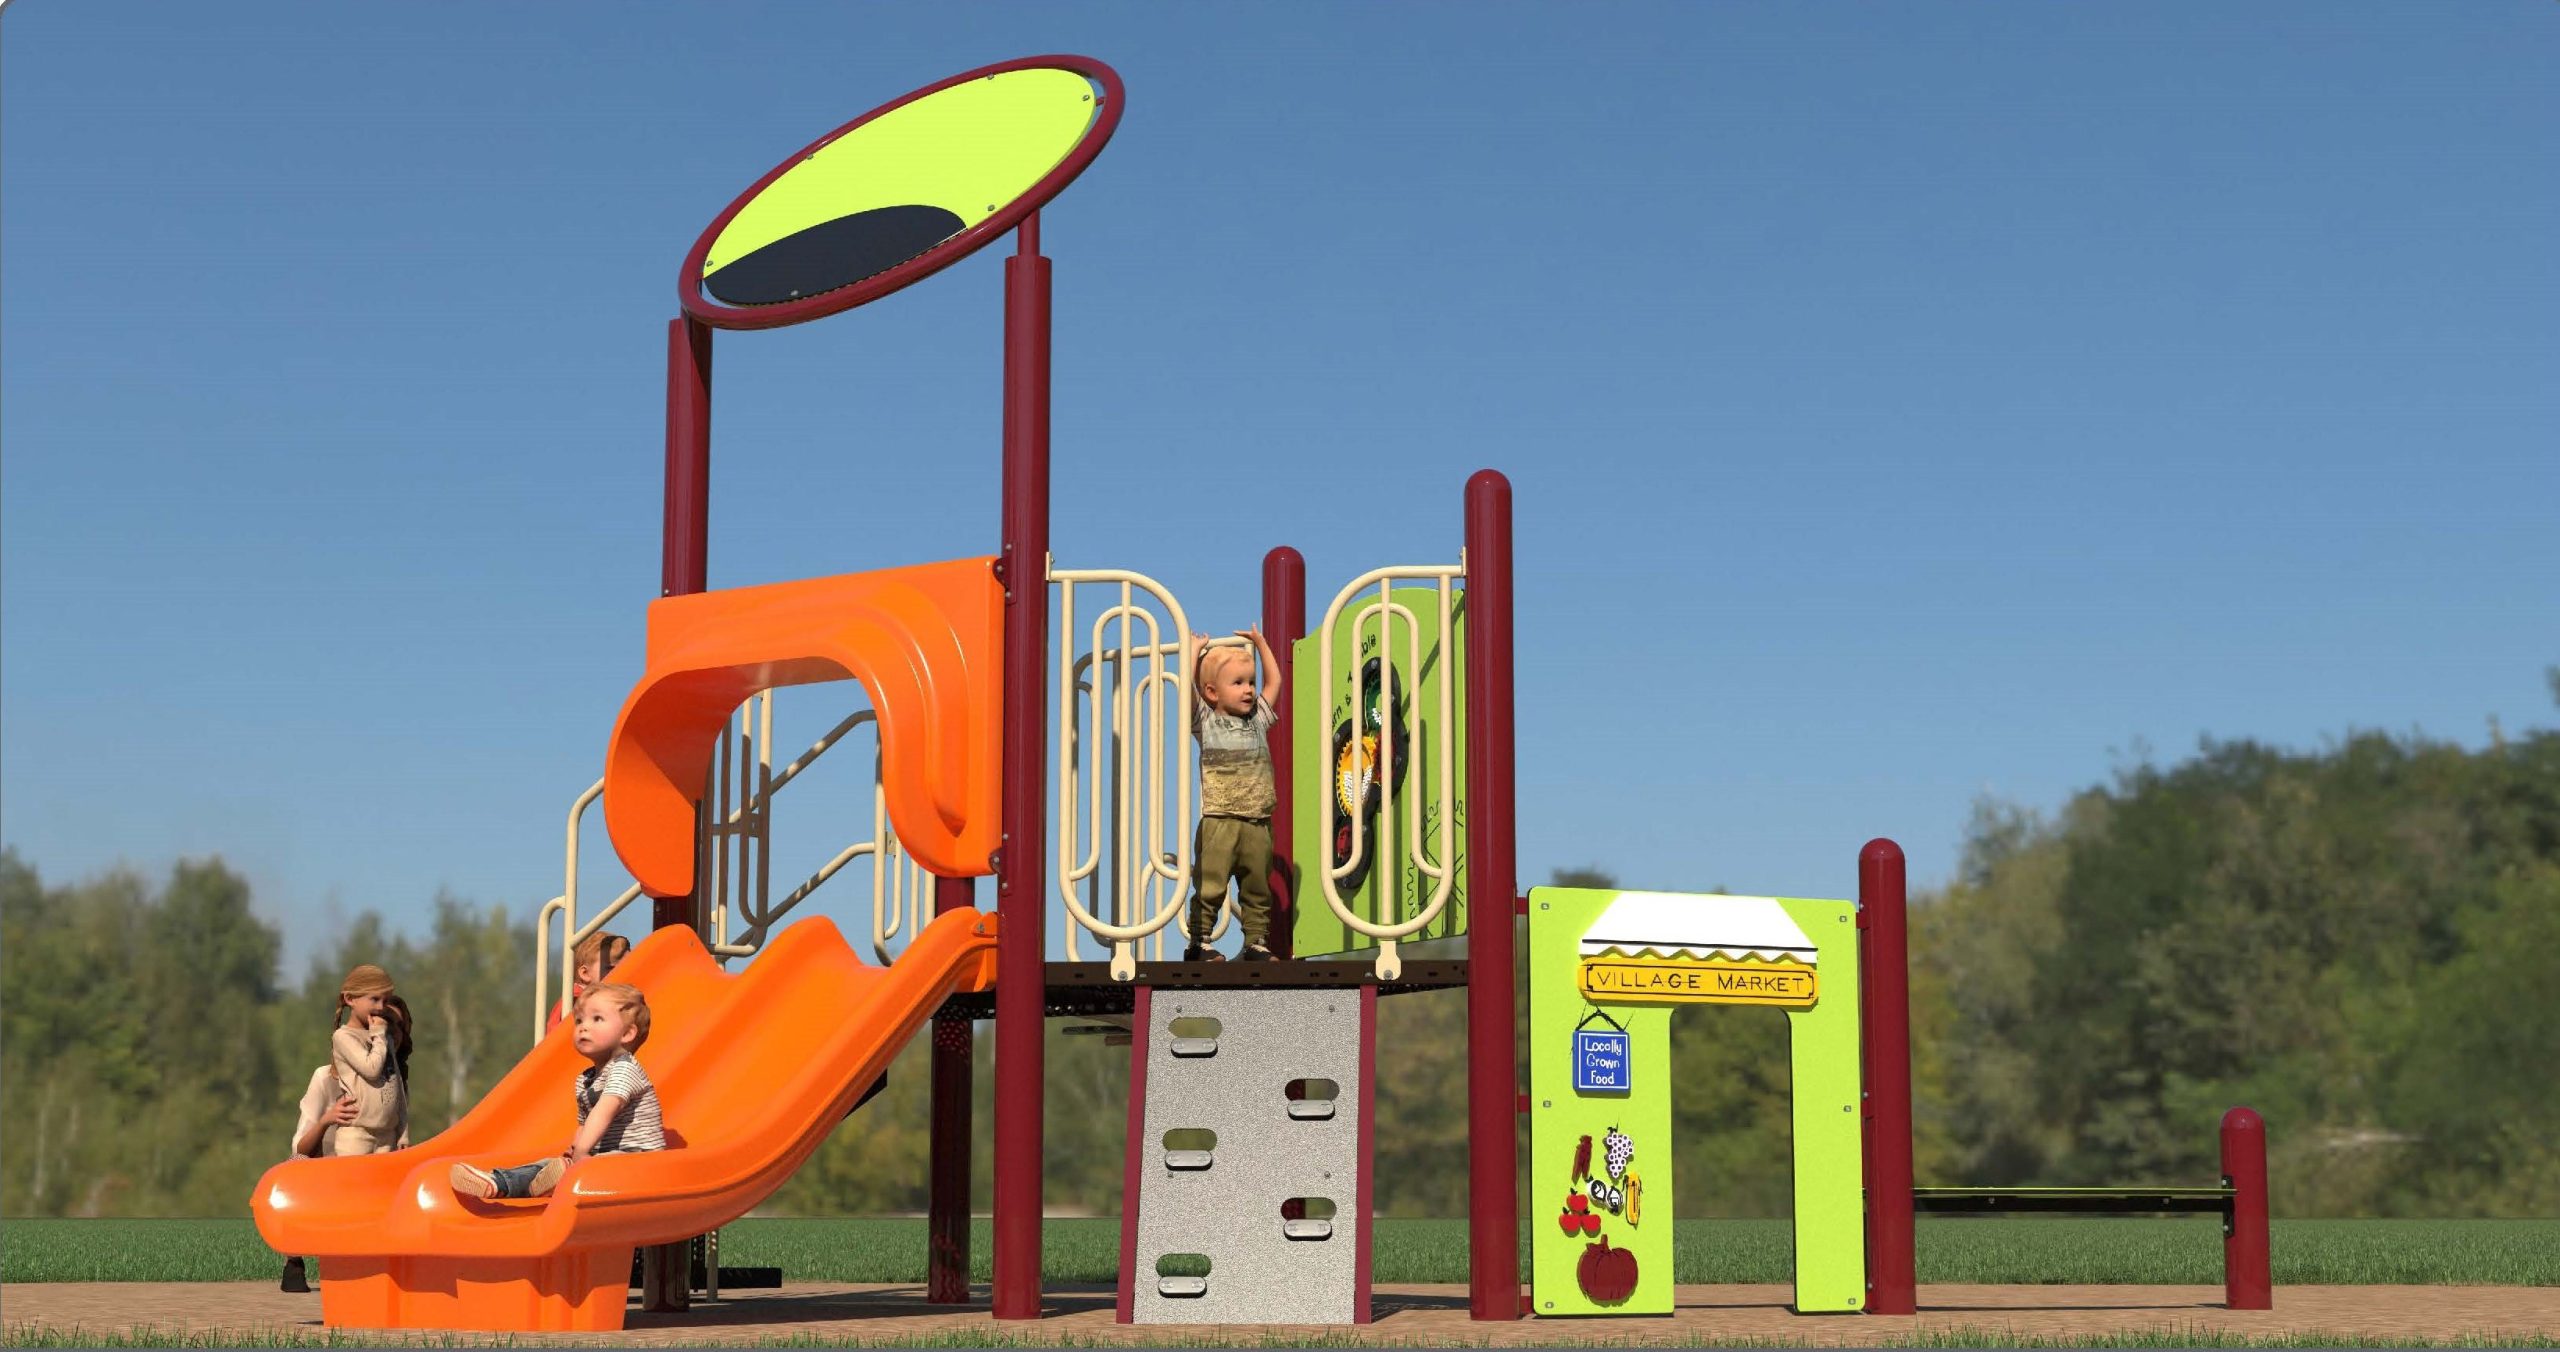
1697,981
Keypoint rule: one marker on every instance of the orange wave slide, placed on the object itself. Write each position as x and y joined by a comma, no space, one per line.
752,1071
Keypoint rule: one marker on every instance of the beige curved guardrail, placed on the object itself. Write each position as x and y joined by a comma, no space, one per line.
1386,612
738,831
1142,682
1160,886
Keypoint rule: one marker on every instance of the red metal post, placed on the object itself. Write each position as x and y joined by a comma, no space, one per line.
686,542
685,533
1884,1037
2248,1276
1021,872
946,1269
1365,1194
1493,1077
1134,1152
1284,622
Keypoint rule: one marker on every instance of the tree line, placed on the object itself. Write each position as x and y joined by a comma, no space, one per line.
2357,940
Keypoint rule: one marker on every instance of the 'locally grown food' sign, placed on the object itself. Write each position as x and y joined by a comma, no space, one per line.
1600,1056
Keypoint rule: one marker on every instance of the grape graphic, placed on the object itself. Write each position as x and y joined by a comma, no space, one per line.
1621,1150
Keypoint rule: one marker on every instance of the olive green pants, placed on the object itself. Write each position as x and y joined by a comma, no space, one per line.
1237,848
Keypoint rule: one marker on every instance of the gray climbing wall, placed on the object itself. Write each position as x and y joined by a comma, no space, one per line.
1228,1203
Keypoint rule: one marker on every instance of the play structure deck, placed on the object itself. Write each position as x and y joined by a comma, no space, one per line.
1031,724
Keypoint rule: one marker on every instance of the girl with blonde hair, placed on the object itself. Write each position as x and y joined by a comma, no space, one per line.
364,1058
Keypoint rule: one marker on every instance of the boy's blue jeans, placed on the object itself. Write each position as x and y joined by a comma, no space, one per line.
517,1180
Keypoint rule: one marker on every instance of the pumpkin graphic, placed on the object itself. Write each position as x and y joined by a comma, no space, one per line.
1606,1275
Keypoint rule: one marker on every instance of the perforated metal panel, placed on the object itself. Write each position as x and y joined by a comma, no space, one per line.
1267,1265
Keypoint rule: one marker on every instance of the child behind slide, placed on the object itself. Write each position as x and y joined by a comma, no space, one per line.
598,954
617,1106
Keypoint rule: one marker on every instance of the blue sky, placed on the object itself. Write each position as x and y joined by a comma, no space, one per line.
1906,404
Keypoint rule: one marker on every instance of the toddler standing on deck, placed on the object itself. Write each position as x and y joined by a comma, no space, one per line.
364,1059
1233,718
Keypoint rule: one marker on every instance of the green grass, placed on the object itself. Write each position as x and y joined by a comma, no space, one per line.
42,1335
1963,1249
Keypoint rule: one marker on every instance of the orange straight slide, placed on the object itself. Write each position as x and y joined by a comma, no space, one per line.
752,1070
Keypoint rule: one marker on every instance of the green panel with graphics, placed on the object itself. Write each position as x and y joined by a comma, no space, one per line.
1583,1268
1822,1049
1324,734
1567,1276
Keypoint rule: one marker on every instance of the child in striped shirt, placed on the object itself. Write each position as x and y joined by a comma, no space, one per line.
617,1106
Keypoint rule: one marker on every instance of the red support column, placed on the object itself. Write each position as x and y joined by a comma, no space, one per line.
1493,1077
685,533
946,1269
2248,1276
1284,622
686,541
1021,871
1884,1037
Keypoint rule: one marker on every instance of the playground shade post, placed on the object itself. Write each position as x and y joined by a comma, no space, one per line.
2248,1279
1493,1080
1886,1028
1284,622
946,1273
686,546
1021,877
684,541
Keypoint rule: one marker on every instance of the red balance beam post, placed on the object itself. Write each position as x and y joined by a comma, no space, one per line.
1493,1077
1284,622
1884,1036
684,546
2248,1278
946,1269
1022,873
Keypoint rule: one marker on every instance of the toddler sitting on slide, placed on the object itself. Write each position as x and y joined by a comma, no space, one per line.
617,1106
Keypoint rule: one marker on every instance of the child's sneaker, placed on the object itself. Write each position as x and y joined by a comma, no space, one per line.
1202,953
471,1181
548,1177
1257,953
296,1277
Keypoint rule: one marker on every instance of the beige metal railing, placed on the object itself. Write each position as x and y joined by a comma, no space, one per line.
572,933
1118,792
742,835
733,873
1388,872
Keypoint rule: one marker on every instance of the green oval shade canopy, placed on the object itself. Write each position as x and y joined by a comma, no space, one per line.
893,188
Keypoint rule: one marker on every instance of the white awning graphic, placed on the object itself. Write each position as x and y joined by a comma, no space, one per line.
1670,925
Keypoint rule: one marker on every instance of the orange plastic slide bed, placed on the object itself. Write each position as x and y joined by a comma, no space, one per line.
752,1070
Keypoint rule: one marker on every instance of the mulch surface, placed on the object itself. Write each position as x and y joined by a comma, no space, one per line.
1408,1315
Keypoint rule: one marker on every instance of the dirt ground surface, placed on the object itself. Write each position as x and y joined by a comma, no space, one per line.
1405,1315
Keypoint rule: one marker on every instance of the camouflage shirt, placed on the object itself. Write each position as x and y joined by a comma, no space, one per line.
1235,762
